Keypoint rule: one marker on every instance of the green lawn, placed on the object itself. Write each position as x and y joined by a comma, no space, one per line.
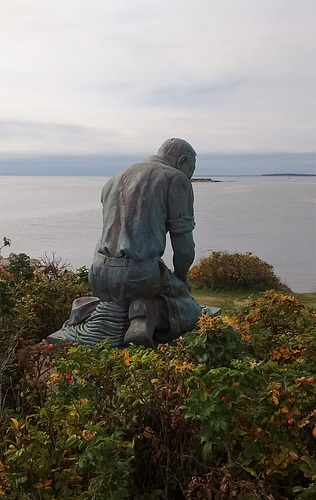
231,300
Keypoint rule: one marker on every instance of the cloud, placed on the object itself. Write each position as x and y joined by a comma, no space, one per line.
35,137
111,76
191,96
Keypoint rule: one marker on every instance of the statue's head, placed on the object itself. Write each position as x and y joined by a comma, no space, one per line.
179,154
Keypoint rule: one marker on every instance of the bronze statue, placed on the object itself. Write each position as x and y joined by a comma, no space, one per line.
138,299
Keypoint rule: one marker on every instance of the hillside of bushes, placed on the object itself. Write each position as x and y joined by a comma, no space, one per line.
228,412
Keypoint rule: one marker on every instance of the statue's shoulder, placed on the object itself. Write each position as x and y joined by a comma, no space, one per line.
153,167
153,164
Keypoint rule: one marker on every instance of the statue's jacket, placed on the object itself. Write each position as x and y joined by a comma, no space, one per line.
140,205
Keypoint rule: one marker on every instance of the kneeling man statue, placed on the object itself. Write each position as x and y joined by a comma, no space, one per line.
137,298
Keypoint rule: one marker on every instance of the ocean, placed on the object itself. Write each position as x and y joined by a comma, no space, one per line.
272,217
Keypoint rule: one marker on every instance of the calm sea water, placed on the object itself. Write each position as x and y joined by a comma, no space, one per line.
272,217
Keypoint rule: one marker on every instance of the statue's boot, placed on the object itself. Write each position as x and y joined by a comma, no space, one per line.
145,316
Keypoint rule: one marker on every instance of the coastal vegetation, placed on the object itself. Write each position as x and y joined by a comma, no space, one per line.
225,271
227,412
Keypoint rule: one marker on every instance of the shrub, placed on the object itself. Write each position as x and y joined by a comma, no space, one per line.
111,428
257,413
33,303
53,265
37,301
224,271
229,413
20,266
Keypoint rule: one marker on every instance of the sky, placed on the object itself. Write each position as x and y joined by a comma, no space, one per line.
97,77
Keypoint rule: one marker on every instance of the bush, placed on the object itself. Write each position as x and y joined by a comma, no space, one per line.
33,303
36,301
227,413
20,266
224,271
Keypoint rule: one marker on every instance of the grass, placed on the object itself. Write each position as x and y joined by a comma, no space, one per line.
228,301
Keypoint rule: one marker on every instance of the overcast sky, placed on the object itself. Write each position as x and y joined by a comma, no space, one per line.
121,76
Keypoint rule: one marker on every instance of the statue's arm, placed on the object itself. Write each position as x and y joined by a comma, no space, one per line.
183,254
180,225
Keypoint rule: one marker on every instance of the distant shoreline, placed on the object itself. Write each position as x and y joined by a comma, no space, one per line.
204,179
287,175
209,179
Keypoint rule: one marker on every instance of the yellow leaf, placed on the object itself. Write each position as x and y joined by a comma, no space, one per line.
303,422
148,433
275,399
252,472
276,354
154,380
1,466
15,423
277,459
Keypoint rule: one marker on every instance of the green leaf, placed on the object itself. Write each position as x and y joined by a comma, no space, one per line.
72,441
297,489
207,450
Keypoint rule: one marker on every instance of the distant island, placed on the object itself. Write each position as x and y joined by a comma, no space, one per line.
288,175
203,179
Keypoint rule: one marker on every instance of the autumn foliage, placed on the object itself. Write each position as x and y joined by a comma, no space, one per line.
228,412
225,271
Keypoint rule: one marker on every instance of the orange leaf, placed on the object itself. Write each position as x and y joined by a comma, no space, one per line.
295,412
39,485
43,484
314,432
15,423
127,358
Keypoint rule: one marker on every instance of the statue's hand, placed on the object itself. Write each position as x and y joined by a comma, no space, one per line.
185,281
188,284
